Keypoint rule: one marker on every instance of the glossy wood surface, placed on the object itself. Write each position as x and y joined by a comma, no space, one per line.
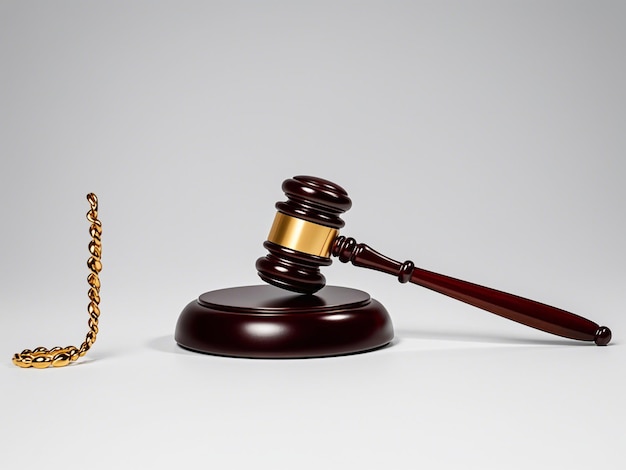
321,201
266,322
528,312
315,200
291,270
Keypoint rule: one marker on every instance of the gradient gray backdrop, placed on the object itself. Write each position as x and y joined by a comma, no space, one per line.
483,140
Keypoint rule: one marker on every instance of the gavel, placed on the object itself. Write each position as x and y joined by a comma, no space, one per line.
305,234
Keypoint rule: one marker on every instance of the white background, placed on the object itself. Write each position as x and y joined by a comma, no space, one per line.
482,140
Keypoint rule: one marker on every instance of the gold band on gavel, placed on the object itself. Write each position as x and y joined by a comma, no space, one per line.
301,235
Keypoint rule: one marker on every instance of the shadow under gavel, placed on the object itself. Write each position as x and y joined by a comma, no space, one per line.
305,234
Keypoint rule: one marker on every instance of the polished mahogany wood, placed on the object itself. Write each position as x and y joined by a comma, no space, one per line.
321,201
292,270
528,312
314,200
266,322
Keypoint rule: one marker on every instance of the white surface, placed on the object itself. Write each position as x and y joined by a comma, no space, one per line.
483,141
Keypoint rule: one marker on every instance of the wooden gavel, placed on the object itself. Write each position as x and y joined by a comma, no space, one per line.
305,234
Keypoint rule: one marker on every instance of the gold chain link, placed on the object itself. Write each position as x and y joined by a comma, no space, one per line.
41,358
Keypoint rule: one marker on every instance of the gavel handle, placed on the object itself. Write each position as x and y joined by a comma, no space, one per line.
513,307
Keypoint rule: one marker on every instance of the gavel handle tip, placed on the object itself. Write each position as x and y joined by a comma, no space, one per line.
603,336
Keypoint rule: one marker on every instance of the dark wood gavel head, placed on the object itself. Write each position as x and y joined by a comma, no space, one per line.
304,229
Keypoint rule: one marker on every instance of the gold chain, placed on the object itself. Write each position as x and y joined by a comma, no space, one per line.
40,357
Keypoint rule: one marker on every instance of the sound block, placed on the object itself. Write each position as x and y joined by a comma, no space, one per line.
267,322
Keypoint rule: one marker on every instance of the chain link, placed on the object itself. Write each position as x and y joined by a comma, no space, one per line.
41,358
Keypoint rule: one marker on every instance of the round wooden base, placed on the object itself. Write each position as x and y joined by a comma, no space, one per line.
266,322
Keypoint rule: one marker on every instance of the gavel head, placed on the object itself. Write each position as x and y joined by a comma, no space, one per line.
304,229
